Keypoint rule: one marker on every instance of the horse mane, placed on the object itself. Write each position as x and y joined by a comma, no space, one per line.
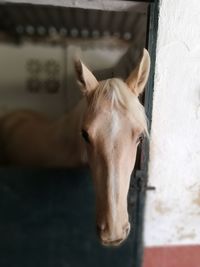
120,95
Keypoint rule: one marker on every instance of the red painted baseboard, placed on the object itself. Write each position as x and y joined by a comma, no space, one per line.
172,256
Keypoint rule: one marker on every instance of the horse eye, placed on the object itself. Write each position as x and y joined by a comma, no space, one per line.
140,139
85,136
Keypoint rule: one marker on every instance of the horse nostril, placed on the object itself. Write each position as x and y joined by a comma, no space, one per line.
127,229
100,228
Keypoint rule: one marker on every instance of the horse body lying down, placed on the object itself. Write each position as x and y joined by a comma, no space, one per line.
103,130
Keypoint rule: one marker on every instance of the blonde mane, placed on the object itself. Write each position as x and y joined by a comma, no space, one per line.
120,95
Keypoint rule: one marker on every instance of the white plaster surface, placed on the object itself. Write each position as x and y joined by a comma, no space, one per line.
173,210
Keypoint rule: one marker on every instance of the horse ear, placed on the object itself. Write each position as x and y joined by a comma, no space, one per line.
86,79
139,76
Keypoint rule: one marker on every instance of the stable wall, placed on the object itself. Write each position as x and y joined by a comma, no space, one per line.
34,67
172,217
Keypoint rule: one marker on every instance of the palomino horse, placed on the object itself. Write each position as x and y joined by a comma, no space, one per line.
104,130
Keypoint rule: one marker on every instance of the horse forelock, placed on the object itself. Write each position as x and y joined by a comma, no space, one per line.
120,96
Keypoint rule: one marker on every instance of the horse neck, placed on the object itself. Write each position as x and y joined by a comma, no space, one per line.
68,129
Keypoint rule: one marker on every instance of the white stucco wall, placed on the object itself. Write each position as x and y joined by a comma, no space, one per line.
173,210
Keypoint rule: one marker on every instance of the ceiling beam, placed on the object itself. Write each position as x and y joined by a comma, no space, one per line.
107,5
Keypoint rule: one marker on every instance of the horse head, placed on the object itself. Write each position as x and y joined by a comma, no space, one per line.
113,122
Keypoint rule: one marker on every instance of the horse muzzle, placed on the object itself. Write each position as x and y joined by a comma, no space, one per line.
108,237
